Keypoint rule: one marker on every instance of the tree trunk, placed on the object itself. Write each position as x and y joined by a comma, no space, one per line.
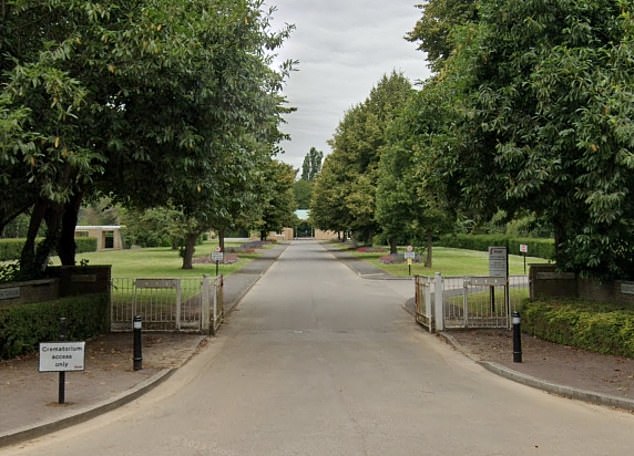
393,246
27,256
559,235
262,235
190,248
53,218
429,250
66,247
221,239
34,257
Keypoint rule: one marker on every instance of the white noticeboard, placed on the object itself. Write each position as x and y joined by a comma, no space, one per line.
523,248
62,356
498,258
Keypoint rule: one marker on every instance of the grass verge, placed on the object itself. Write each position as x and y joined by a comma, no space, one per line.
163,262
447,261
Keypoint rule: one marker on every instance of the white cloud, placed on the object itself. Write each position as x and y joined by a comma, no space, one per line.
344,47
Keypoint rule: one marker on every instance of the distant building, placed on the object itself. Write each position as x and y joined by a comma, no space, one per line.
108,236
305,229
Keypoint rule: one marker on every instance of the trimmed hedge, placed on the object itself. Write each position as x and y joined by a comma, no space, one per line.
537,247
10,249
601,328
24,326
85,244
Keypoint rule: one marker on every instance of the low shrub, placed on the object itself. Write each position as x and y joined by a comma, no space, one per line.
537,247
24,326
86,244
602,328
10,249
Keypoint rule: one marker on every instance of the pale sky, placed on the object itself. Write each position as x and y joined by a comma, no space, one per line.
344,47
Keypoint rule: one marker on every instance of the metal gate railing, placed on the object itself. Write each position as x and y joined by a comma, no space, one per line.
482,302
423,300
467,302
167,304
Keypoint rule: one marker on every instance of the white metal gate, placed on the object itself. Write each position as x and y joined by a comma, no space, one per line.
167,304
467,302
422,298
476,302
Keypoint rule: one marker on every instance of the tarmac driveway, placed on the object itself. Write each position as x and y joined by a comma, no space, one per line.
318,361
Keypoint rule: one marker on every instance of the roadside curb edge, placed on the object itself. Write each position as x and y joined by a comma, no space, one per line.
549,387
40,429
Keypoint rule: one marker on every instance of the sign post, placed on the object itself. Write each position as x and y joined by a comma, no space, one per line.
524,251
409,256
62,357
217,256
498,267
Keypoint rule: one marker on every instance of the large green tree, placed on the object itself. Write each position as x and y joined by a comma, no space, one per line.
411,202
279,203
356,147
327,208
439,21
312,164
311,168
545,93
148,101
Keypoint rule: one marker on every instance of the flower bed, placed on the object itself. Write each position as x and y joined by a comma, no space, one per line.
370,249
229,258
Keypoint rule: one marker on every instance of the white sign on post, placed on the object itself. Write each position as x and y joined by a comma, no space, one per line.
523,248
62,356
498,258
217,255
410,254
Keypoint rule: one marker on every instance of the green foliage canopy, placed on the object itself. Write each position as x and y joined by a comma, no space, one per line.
542,107
345,191
156,103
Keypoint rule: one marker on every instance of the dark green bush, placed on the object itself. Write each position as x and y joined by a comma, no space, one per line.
24,326
10,249
86,244
537,247
602,328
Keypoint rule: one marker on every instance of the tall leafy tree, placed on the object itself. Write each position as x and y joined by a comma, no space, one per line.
279,205
312,164
356,149
327,208
303,190
546,88
411,202
311,167
183,89
439,21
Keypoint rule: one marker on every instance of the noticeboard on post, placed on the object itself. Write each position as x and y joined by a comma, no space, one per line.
498,262
62,356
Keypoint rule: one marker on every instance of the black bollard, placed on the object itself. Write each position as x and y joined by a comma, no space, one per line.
137,350
517,338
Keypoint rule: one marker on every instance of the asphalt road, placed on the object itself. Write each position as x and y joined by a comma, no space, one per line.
316,361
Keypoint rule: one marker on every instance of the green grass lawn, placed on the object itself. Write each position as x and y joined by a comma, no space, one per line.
450,262
165,262
160,262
